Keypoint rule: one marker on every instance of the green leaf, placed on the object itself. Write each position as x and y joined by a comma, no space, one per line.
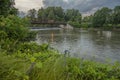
32,59
39,65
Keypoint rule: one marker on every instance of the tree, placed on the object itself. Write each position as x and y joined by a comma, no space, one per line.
54,13
101,17
116,15
59,13
32,13
51,15
14,27
78,17
87,19
13,11
7,7
73,15
42,14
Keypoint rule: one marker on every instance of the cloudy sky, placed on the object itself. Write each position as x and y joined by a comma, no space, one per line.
85,6
24,5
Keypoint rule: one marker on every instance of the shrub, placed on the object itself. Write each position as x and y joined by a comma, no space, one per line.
75,24
14,27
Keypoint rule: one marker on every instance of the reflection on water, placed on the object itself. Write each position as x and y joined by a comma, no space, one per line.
94,45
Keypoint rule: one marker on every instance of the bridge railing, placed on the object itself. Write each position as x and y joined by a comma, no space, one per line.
48,22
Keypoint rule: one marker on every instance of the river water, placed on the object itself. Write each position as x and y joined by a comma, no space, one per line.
88,44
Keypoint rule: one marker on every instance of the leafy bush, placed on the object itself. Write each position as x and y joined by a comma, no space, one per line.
30,36
32,48
84,25
14,27
13,31
75,24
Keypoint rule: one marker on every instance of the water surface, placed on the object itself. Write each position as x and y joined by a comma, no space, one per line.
89,44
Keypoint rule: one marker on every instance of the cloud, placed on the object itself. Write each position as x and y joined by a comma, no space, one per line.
24,5
85,6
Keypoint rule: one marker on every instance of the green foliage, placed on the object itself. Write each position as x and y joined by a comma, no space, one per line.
50,65
3,35
30,36
74,24
54,14
42,14
51,13
13,11
104,18
13,31
73,15
12,68
7,7
32,48
32,14
85,25
116,16
100,17
14,27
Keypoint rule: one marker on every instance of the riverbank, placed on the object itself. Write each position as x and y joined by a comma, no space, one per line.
49,65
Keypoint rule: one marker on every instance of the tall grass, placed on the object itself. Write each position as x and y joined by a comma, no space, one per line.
50,65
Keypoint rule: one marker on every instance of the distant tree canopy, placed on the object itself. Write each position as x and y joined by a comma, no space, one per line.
101,17
104,17
51,13
7,7
56,14
32,14
116,15
73,15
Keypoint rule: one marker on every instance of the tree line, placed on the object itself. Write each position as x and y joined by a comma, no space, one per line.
104,17
55,14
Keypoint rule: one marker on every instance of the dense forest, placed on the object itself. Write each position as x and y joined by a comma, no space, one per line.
21,59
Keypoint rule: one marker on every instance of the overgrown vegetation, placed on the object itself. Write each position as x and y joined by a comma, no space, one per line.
50,65
14,31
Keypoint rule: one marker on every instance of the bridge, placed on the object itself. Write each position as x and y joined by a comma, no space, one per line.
50,22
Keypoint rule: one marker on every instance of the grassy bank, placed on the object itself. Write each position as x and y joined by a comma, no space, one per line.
49,65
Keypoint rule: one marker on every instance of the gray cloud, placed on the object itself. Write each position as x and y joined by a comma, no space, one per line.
85,6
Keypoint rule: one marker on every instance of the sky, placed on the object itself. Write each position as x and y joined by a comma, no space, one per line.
25,5
85,6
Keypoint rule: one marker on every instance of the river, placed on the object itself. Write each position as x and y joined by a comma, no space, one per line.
87,44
